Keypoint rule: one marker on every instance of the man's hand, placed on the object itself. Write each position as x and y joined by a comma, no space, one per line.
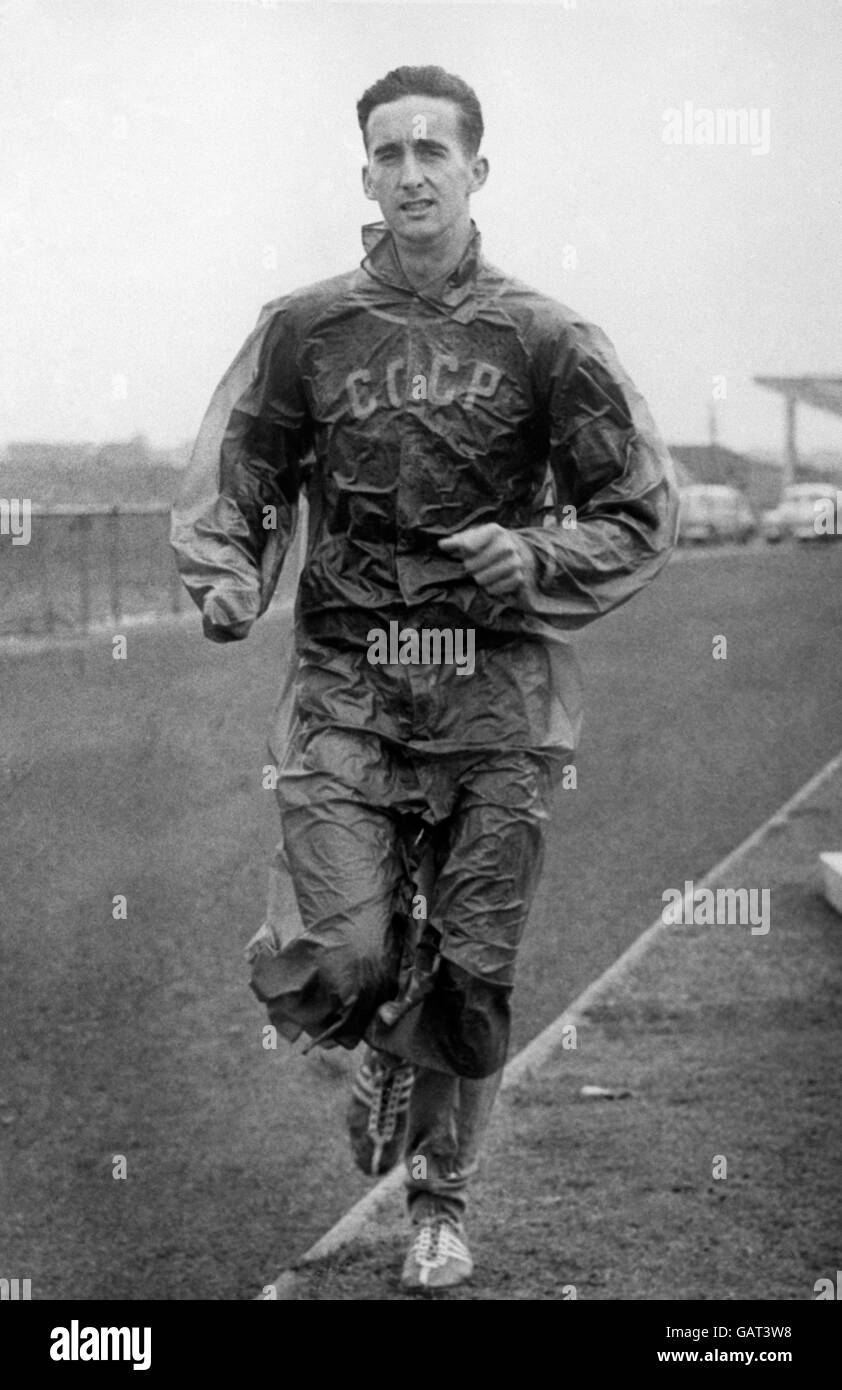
216,632
499,560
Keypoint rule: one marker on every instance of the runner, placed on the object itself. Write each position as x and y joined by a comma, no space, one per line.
423,403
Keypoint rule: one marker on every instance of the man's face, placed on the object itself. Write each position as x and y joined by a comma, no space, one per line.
418,169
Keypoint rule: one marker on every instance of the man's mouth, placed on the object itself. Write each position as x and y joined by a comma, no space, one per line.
417,205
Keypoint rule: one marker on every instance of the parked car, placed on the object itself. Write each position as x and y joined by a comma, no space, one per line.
710,512
796,513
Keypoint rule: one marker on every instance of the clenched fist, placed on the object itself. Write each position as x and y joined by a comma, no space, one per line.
499,560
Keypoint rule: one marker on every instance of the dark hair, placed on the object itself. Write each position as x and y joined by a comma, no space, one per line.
427,82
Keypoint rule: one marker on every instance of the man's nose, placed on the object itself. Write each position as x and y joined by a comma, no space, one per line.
412,175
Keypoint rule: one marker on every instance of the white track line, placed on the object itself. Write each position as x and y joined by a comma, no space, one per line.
538,1052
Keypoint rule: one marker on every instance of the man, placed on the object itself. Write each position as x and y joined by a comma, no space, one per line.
422,402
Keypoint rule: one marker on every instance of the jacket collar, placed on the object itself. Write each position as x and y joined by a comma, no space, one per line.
459,291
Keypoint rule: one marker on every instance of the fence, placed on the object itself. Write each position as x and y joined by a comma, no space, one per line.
86,565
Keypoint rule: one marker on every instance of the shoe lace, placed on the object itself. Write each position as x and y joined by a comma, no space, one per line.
383,1117
436,1241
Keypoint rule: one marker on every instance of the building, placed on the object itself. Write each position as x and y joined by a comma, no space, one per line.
713,463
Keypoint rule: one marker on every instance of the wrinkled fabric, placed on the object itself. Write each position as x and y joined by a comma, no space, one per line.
403,419
357,818
447,1123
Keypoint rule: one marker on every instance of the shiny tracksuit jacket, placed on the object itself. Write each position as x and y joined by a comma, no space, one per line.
405,417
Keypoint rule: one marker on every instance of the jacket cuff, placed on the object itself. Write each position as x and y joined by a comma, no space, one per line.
217,633
227,616
544,569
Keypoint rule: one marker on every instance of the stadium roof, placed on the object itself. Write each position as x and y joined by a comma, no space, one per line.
713,463
823,392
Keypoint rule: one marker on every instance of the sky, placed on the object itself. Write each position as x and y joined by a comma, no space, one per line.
169,166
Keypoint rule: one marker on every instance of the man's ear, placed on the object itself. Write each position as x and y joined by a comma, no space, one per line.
367,189
479,172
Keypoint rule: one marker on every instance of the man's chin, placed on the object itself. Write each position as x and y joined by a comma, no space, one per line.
417,230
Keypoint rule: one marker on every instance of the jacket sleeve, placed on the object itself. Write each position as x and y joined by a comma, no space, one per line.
237,510
616,500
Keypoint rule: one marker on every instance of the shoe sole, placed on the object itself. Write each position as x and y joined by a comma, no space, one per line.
413,1286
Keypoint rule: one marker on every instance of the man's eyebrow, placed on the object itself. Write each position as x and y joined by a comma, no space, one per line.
391,146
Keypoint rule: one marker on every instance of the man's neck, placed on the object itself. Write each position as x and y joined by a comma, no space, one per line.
425,266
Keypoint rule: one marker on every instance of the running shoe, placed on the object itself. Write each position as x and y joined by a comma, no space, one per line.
438,1257
378,1112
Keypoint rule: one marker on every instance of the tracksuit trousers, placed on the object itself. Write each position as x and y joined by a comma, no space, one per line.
448,1121
358,817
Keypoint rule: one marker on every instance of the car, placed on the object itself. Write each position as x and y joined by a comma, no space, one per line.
710,512
798,511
